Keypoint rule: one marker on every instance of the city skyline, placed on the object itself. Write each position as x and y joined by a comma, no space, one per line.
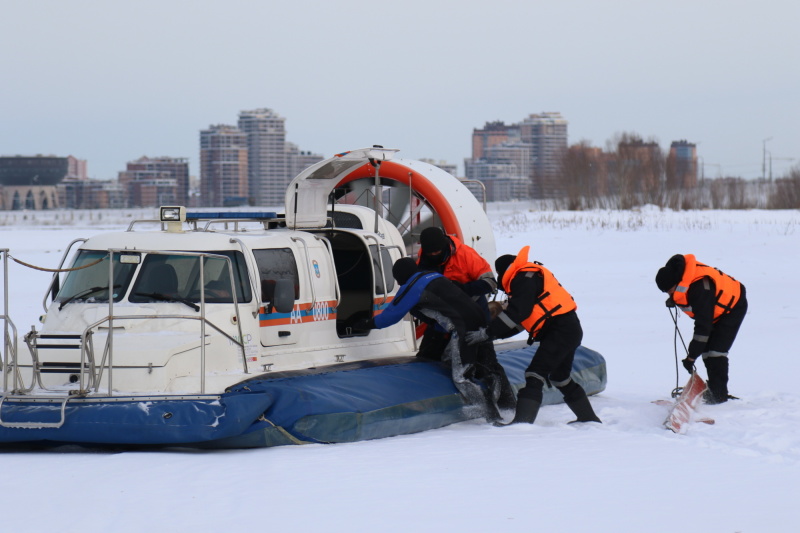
417,76
297,159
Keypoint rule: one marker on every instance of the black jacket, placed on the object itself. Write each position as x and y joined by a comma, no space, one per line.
701,297
442,298
435,300
525,291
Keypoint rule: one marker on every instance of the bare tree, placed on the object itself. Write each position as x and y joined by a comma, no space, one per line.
637,170
786,194
583,175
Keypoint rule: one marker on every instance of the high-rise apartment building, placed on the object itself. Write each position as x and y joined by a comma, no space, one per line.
268,168
505,171
519,160
223,166
546,134
682,165
272,162
151,182
492,134
77,168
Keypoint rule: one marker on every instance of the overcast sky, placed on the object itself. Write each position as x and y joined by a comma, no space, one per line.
110,81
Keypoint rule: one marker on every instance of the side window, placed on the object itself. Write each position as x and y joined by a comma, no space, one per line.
165,277
218,280
274,264
387,269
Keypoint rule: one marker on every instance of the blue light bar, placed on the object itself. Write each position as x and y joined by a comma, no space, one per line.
232,215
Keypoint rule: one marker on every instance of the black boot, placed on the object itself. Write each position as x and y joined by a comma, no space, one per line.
527,409
576,400
717,370
583,410
505,399
528,401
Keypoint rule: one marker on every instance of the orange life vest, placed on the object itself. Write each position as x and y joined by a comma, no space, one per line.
554,300
464,264
728,289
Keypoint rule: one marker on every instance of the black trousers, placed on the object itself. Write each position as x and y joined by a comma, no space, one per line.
558,341
433,344
719,344
727,327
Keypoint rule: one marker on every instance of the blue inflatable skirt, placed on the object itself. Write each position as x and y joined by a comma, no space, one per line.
362,401
341,403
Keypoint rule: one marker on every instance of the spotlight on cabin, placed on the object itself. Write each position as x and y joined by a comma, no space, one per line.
174,216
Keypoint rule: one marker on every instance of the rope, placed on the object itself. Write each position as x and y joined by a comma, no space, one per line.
23,263
678,389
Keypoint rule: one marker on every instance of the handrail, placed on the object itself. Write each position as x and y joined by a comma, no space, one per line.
35,425
9,342
380,264
145,221
202,256
328,245
308,270
92,383
239,342
67,250
235,221
482,186
256,288
10,352
109,348
88,361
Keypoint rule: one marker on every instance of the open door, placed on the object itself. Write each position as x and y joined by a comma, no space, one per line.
427,195
307,194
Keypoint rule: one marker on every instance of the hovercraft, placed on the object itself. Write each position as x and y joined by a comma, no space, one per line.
235,328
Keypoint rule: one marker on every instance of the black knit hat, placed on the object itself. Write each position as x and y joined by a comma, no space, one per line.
501,264
403,269
434,240
670,274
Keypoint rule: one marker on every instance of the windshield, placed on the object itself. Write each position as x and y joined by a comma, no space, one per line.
90,284
167,277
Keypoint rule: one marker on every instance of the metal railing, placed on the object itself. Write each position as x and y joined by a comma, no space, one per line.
89,371
9,352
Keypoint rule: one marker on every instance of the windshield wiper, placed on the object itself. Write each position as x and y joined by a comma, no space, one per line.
165,298
84,294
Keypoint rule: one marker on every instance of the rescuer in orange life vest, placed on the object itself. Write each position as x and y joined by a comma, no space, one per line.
462,265
717,303
539,304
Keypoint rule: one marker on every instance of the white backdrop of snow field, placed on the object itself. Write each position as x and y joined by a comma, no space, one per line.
628,474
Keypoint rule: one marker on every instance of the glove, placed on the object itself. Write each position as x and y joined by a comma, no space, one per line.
477,336
688,364
363,324
670,302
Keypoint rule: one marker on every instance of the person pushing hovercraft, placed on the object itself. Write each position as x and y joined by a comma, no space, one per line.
537,303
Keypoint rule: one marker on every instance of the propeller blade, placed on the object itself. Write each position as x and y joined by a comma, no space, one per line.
411,235
399,204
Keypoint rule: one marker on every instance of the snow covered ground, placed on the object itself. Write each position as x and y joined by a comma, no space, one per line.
627,475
